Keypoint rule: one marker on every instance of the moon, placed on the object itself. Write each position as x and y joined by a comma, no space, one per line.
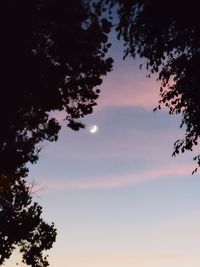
93,129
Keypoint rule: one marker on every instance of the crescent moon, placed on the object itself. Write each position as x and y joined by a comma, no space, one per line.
93,129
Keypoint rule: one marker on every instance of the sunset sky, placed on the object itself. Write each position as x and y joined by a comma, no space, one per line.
117,197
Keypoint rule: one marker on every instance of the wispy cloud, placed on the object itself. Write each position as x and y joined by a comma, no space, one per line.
129,88
145,97
122,181
124,90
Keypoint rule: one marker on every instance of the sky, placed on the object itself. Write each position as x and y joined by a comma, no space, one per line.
117,197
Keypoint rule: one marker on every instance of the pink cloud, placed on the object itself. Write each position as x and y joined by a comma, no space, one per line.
128,88
125,89
123,181
145,95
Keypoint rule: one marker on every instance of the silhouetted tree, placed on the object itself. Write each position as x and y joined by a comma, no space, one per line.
52,57
21,224
167,34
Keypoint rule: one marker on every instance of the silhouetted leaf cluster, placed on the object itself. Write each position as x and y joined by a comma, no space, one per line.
21,224
167,34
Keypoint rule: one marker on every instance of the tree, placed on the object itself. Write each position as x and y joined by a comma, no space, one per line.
52,59
167,34
21,224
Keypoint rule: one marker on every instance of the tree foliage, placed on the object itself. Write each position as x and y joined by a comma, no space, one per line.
167,34
52,58
21,224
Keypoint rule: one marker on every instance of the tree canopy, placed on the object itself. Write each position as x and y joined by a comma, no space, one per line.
167,34
52,59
